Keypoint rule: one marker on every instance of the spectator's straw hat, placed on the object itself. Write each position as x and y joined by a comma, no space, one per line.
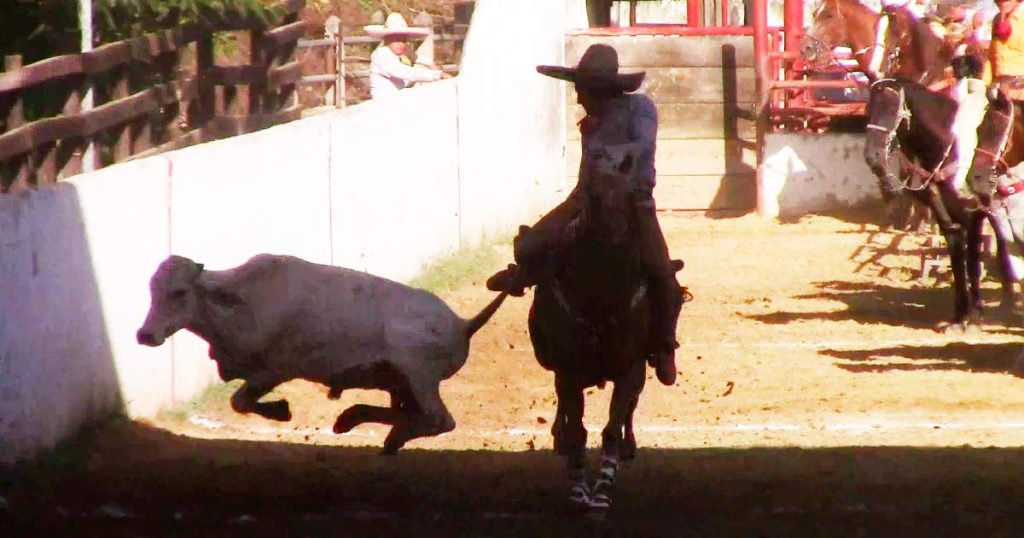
598,68
395,27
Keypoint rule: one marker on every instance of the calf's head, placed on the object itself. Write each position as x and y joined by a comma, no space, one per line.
173,300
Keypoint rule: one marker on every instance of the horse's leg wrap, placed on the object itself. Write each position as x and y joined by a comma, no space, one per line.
600,496
579,492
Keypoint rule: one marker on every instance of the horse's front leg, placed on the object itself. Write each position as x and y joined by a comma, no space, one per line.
573,438
974,251
956,243
624,397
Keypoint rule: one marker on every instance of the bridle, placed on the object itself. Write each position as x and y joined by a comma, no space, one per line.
903,116
997,156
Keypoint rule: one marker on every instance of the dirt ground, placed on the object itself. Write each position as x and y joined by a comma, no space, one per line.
815,398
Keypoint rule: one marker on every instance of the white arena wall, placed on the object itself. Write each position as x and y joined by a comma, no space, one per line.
804,173
385,186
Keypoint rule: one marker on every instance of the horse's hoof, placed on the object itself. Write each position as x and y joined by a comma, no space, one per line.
579,496
952,327
600,496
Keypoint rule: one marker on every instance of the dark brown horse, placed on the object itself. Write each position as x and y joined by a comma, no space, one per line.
920,121
590,323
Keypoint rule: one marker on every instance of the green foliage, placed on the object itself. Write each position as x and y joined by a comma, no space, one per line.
38,29
215,395
448,272
120,19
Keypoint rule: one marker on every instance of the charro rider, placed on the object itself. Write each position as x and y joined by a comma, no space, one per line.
617,123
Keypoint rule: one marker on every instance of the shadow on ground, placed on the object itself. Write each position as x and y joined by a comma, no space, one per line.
871,303
967,357
129,479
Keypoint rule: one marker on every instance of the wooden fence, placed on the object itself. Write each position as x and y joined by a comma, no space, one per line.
154,93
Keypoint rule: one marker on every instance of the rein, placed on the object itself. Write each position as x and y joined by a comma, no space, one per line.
903,115
997,157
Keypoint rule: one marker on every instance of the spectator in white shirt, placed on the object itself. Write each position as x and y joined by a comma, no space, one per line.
391,69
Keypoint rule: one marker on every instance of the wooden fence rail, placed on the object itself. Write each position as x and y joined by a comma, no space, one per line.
154,93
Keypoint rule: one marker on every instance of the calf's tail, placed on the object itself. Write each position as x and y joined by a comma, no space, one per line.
473,325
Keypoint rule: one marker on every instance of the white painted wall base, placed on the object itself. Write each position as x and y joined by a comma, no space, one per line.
344,188
806,173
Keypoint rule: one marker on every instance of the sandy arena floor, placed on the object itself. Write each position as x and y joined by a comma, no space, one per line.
815,398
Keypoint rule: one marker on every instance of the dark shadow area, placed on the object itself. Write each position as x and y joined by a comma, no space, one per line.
56,364
867,215
737,192
869,303
128,479
973,357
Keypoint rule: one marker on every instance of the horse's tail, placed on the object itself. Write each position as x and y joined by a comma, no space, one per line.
473,325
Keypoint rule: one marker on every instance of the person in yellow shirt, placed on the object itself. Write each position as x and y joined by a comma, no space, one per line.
1006,50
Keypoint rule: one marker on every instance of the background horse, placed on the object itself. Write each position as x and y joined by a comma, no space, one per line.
844,22
922,123
590,323
994,177
892,43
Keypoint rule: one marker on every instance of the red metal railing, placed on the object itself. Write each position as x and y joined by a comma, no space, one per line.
786,97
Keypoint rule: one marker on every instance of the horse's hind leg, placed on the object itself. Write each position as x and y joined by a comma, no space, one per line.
974,248
627,450
573,438
426,412
1005,237
624,397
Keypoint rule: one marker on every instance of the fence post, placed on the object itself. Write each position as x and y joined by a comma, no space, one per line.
168,65
19,166
425,52
122,140
284,55
69,156
336,61
257,57
16,112
202,110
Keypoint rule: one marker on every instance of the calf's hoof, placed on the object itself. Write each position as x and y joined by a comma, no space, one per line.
392,444
278,410
344,423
